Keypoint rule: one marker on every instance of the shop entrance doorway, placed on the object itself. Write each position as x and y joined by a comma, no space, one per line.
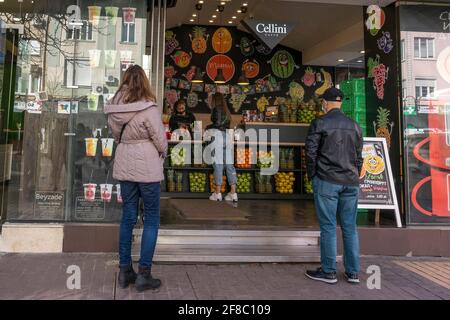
323,45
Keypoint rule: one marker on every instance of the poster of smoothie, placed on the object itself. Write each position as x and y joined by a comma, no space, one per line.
91,147
106,192
94,14
119,194
129,15
110,58
94,57
107,147
111,14
89,191
93,101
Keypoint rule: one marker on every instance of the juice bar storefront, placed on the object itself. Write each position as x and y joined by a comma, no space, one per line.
60,63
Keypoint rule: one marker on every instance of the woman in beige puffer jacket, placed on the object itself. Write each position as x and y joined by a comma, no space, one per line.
136,125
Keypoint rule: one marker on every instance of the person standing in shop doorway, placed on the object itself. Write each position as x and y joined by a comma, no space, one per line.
221,118
181,118
334,162
137,128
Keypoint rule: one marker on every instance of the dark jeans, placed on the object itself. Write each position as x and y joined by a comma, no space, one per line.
131,191
332,199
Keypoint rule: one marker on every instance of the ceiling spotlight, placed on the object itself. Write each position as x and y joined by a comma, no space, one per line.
214,16
230,22
194,15
222,3
362,52
201,2
341,60
192,20
245,4
211,21
359,61
239,11
233,17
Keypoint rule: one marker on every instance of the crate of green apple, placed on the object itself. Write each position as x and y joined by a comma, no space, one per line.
197,182
307,112
244,183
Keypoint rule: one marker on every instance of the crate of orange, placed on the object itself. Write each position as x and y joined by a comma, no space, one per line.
243,158
213,185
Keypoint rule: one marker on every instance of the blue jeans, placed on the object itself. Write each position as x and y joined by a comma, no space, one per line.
229,170
332,199
131,191
224,160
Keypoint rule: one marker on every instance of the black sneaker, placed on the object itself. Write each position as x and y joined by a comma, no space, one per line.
319,275
352,277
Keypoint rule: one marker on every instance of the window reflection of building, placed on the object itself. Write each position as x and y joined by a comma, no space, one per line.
420,77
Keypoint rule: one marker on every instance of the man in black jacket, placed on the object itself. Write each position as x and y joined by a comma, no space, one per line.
334,161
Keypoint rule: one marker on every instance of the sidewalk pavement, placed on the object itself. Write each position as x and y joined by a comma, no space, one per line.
44,276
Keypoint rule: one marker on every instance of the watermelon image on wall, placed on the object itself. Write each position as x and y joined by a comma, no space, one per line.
222,40
282,64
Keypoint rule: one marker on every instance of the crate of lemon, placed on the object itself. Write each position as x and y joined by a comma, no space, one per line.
197,182
284,182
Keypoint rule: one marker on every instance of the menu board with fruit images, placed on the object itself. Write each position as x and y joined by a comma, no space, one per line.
376,183
278,76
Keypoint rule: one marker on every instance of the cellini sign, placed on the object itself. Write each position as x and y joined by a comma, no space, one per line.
271,29
269,33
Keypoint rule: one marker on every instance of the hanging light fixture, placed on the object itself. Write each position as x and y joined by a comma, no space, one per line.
219,79
198,77
242,80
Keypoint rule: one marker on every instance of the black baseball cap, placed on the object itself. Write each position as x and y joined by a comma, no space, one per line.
333,94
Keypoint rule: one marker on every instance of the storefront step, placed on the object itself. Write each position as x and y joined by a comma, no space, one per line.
233,246
209,253
234,237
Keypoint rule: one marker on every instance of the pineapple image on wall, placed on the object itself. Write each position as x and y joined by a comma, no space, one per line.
381,126
199,40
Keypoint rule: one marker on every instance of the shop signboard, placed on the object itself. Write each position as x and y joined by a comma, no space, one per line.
49,205
269,33
377,190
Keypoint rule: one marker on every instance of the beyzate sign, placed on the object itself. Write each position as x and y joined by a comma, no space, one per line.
269,33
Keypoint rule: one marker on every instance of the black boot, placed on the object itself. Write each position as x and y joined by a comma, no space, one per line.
145,281
126,276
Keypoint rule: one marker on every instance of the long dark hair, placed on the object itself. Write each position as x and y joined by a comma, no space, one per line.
135,86
218,102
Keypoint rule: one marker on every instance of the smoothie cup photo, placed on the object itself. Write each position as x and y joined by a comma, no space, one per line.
119,195
107,147
94,57
112,13
110,58
91,147
93,102
94,14
106,192
129,15
89,191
